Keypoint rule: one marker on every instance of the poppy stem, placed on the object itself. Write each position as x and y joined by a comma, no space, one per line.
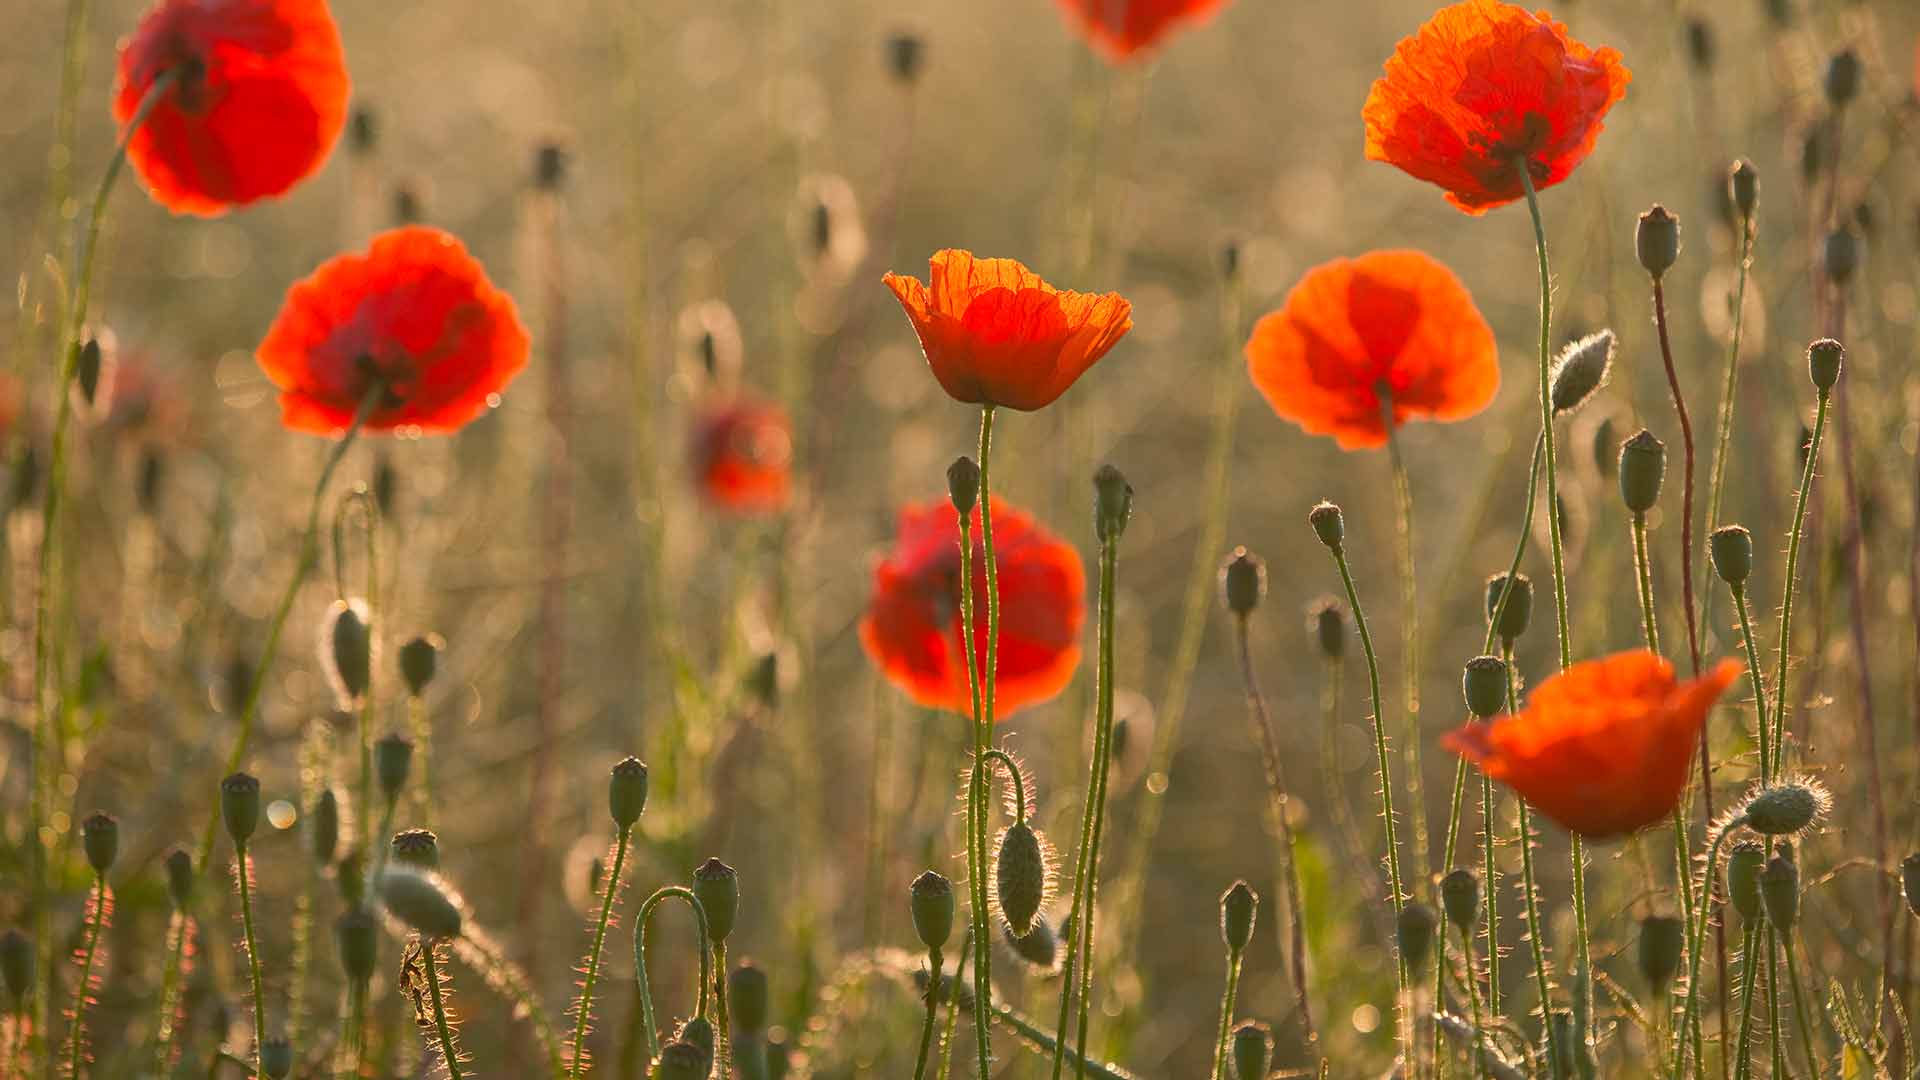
640,924
981,684
1698,942
1800,1007
1753,676
449,1055
1410,655
83,988
935,974
1774,1041
1546,417
243,876
1535,934
953,1008
1749,948
1723,437
1793,568
1227,997
584,1014
1686,506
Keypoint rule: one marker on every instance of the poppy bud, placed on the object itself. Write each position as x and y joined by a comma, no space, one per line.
153,475
358,941
1657,241
385,479
932,903
348,658
1661,941
1732,549
963,485
1328,622
1021,876
1460,897
1252,1050
408,207
180,878
240,807
1743,182
680,1061
1743,877
1842,82
1824,358
86,371
1485,686
1910,882
1414,929
323,829
419,659
16,963
549,166
1328,525
421,900
747,996
26,477
1842,255
1238,906
100,839
418,848
1643,465
363,130
698,1033
392,761
1781,809
276,1058
1040,948
1112,503
1243,581
1780,891
1602,447
627,792
717,887
905,52
1579,370
1512,620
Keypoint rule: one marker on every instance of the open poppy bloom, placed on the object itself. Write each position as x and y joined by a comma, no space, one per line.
1604,747
742,451
1483,86
911,630
1123,28
1396,324
259,97
995,334
415,316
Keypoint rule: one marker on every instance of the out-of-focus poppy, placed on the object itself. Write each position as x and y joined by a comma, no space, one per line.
742,453
1396,322
1482,86
995,334
1123,28
911,629
1605,746
415,313
258,100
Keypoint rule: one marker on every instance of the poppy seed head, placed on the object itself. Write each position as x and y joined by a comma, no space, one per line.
1243,581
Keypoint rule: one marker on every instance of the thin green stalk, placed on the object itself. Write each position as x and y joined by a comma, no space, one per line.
1792,576
1410,649
935,977
449,1055
367,720
585,1011
722,1049
1749,972
1800,1010
660,896
170,990
1546,417
1226,1014
83,990
1776,1046
983,735
1490,871
1527,886
1473,994
1643,582
953,1009
1724,423
1753,676
1583,986
243,874
350,1062
1696,944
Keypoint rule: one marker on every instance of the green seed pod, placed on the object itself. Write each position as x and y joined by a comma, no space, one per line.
348,655
748,997
180,878
1519,610
1579,370
392,761
1243,581
1238,907
1414,928
1328,622
1643,465
963,485
905,52
698,1032
627,792
419,660
418,848
240,807
1743,184
1910,882
422,900
1328,525
1657,241
1780,892
1460,897
1662,938
932,902
681,1061
1021,876
323,827
1743,878
1112,503
357,938
100,839
86,372
717,888
1824,359
1841,256
1040,948
1785,808
1732,549
276,1058
1485,686
1252,1050
16,963
1842,82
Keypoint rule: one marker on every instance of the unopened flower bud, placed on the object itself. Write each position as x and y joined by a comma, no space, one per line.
1328,622
1824,359
747,994
1657,241
1842,82
1785,808
323,827
418,848
1485,686
1328,525
392,761
680,1060
358,940
87,365
1243,581
1238,906
1661,941
698,1032
549,166
1732,549
348,653
1743,877
1112,503
1414,929
627,792
100,839
905,52
1780,891
932,902
1252,1051
1743,183
1460,897
419,659
180,878
1579,370
16,963
276,1058
717,887
1040,948
1841,256
1643,465
240,807
1511,621
1021,876
963,485
421,900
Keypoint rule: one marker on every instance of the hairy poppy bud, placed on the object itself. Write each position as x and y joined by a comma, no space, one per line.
1238,906
1112,503
1910,882
86,374
1643,465
1579,370
1328,621
747,994
16,963
1657,241
1252,1051
1485,686
1841,256
905,52
1743,877
240,806
1842,82
1780,891
1661,938
348,656
963,485
627,792
180,878
1824,358
717,887
549,166
100,839
1781,809
698,1032
1021,876
358,940
932,902
418,848
1243,581
1040,948
680,1060
421,900
1328,525
276,1058
419,659
1732,549
1743,183
1460,897
1414,929
1511,621
392,761
323,827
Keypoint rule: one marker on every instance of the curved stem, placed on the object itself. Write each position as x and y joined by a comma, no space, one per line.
1546,417
1686,493
934,977
585,1011
243,872
1753,677
661,895
1792,577
448,1053
83,989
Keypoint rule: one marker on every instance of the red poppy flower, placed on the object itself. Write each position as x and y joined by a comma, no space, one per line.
742,451
1122,28
1605,746
1397,321
259,98
995,334
912,626
417,313
1483,85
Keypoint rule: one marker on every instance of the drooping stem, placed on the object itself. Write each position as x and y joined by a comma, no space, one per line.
243,874
661,895
449,1054
584,1014
1792,577
83,989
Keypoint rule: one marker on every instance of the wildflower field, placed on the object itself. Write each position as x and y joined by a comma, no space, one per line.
1021,538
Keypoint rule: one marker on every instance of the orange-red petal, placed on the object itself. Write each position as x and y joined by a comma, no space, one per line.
1124,29
742,456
